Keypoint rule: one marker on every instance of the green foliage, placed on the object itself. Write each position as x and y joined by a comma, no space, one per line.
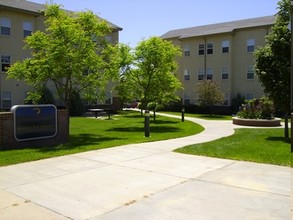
154,106
44,96
209,93
262,108
76,105
71,53
273,60
150,73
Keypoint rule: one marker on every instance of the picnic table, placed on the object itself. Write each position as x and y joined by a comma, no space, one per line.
96,111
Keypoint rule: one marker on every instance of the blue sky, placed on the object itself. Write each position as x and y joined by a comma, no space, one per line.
141,19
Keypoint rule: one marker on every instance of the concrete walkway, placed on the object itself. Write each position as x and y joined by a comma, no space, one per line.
146,181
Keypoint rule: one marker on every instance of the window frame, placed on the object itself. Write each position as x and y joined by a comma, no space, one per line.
27,28
200,74
250,72
250,45
186,99
5,98
226,72
201,49
5,25
210,48
5,64
225,46
210,73
186,51
186,75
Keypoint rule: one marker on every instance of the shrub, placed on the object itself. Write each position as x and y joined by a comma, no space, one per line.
237,101
76,105
262,108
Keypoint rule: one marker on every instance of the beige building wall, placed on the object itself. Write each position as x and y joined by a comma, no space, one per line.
243,60
13,92
237,61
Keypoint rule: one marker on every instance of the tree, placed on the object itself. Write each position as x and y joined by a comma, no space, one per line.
273,61
151,77
125,85
72,53
209,93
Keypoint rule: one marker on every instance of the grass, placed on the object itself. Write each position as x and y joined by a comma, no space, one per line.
255,145
202,116
91,134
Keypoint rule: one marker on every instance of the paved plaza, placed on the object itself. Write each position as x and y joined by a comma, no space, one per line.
146,182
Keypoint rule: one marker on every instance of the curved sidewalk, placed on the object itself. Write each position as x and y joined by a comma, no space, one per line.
146,181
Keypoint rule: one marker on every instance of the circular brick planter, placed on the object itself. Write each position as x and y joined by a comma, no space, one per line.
257,122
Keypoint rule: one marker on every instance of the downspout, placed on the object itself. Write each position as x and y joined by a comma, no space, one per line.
205,58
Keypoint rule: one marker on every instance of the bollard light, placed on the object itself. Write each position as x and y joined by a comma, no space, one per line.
182,114
147,123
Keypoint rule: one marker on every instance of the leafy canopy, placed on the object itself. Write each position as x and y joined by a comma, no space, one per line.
150,77
273,60
209,93
72,54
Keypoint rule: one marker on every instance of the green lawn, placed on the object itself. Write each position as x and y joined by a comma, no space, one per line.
91,134
256,145
202,116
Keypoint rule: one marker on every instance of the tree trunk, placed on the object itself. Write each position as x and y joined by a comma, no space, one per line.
154,115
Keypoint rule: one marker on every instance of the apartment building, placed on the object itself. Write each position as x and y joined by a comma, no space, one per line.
18,19
223,53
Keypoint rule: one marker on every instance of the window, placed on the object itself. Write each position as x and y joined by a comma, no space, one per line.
249,96
27,28
201,49
186,100
210,48
226,99
5,24
200,74
186,75
225,73
209,73
186,51
5,63
250,72
250,45
108,100
225,46
108,39
6,99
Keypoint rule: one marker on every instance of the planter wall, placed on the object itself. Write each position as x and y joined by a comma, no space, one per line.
257,122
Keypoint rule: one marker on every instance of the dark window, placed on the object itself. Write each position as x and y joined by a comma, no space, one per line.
5,24
5,63
187,53
210,48
201,49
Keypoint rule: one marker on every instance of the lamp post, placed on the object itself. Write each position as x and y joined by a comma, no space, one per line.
290,26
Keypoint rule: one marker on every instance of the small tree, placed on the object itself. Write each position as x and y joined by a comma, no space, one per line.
72,54
273,61
150,77
209,94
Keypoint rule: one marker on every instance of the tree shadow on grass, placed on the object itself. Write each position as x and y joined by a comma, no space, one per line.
157,129
76,141
279,139
158,122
